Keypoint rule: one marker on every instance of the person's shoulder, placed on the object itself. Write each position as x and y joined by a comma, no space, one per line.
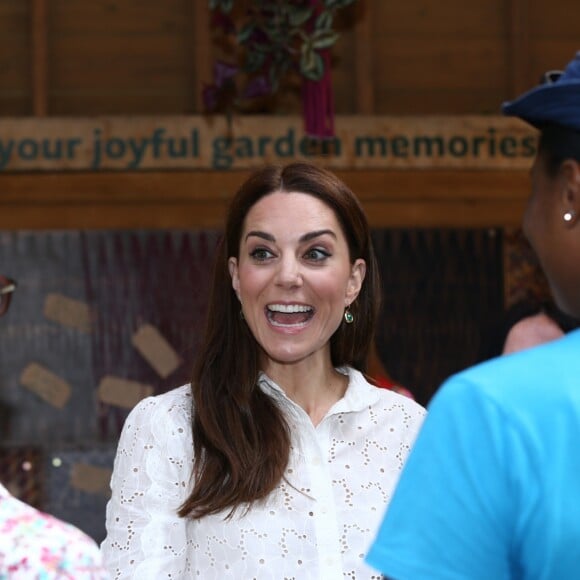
387,398
76,551
174,397
531,331
164,419
69,535
538,359
31,538
176,403
519,379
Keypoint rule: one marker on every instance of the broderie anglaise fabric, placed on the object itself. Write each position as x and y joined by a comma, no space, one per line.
317,525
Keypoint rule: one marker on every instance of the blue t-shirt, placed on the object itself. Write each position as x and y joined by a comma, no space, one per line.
491,489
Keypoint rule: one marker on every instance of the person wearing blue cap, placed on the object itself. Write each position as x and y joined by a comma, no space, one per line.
491,488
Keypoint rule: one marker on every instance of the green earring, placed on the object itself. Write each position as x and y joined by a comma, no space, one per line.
348,316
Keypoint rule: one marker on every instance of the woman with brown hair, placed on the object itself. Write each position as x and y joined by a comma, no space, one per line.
279,458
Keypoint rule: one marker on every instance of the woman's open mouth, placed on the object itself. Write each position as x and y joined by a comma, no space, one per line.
289,315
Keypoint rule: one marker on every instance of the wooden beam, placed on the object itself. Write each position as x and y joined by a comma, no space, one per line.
46,216
364,65
519,47
198,199
39,35
207,186
203,54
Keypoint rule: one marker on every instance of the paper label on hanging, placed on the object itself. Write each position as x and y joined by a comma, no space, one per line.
156,350
48,386
122,392
91,478
68,312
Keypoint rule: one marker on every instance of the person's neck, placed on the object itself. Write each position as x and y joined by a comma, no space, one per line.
313,384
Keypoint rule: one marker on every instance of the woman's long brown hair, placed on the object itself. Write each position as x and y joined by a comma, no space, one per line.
241,440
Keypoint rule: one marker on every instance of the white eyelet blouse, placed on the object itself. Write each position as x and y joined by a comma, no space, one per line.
318,524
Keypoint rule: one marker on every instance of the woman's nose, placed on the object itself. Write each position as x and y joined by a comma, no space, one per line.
289,273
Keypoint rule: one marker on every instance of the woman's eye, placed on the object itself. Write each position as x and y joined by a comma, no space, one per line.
261,254
317,254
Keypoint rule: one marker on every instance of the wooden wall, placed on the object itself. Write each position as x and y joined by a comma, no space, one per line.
190,199
145,57
149,57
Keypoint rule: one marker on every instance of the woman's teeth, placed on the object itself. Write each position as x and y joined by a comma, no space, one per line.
289,314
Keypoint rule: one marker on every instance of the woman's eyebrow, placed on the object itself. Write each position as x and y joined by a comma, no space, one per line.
304,238
259,234
311,235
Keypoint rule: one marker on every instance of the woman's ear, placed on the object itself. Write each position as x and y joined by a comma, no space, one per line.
570,173
355,281
233,269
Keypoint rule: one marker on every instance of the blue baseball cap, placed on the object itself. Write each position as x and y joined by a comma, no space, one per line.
555,101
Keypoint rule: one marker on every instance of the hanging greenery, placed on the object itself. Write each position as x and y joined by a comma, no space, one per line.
277,37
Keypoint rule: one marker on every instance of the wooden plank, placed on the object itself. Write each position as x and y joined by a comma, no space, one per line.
440,101
450,63
438,185
111,216
208,143
15,105
207,186
519,36
133,64
145,56
554,20
114,18
198,199
445,214
116,102
202,52
364,60
15,58
39,35
14,68
551,53
210,216
119,187
158,45
129,57
428,20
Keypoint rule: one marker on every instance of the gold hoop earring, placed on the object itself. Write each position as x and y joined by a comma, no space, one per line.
348,315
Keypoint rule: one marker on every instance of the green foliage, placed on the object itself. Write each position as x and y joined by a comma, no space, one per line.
275,37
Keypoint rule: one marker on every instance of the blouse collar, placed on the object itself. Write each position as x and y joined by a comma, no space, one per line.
358,396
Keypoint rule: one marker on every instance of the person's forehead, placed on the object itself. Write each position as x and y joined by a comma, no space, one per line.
291,210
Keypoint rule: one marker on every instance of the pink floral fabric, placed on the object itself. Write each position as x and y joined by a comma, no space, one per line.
36,546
